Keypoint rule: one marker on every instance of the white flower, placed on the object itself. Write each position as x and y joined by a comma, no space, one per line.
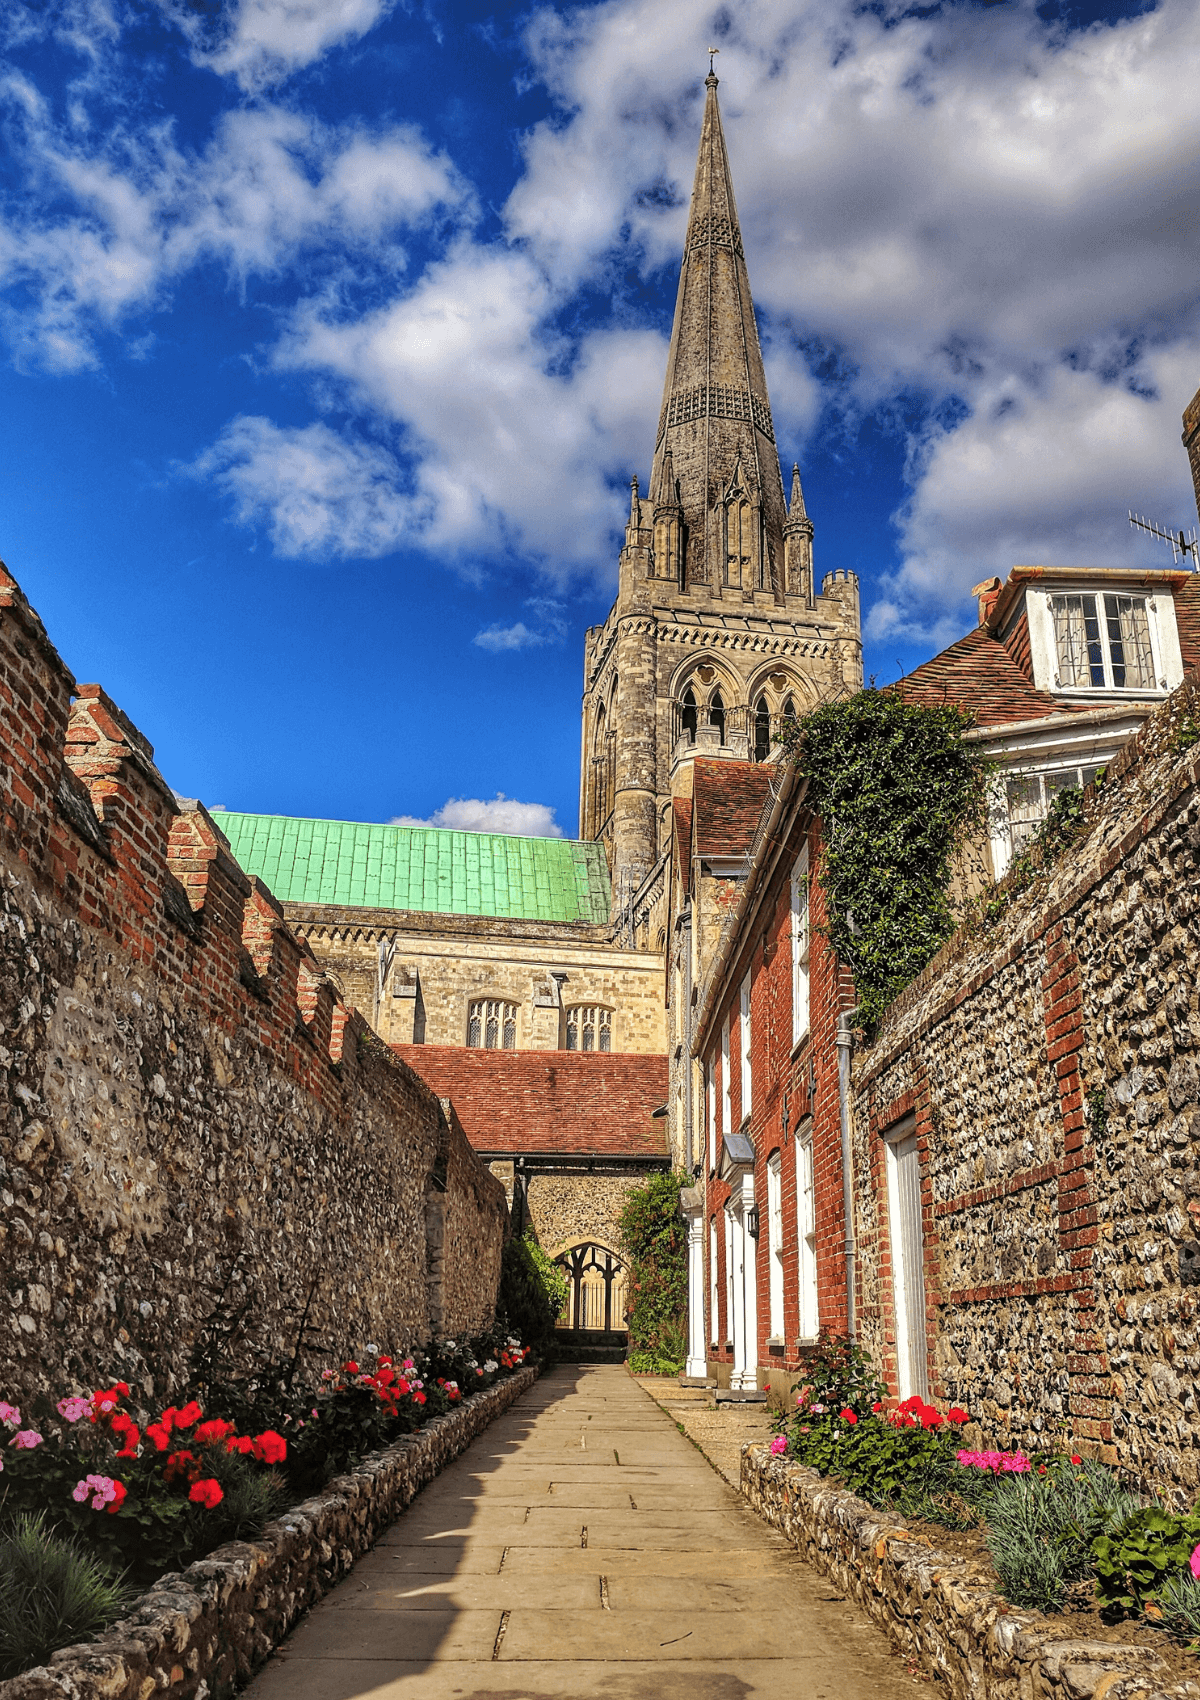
490,1366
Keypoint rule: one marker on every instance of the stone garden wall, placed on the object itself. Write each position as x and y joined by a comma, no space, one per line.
201,1148
1050,1059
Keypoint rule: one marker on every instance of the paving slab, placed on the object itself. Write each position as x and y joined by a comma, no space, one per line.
580,1542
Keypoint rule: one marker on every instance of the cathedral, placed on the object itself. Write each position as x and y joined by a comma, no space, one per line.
469,951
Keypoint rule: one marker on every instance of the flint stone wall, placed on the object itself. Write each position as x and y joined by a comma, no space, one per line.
195,1133
202,1633
936,1607
1050,1060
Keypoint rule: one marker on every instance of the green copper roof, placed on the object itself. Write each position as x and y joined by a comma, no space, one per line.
422,867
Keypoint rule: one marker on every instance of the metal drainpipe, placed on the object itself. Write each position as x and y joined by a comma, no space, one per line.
844,1041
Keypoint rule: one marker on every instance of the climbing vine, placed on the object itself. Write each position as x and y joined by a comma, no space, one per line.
654,1236
898,788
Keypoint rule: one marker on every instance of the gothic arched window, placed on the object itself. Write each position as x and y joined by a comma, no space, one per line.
589,1028
716,714
687,718
762,730
789,710
739,531
492,1025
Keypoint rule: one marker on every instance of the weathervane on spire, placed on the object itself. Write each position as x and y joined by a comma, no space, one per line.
712,54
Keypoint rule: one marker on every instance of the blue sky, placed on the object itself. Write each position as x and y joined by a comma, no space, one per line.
334,329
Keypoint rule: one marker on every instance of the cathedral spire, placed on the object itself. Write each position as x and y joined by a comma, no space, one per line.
796,508
715,405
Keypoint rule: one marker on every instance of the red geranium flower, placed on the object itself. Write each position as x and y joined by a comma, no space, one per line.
215,1429
239,1443
930,1418
350,1368
120,1493
207,1493
418,1398
132,1440
159,1434
190,1413
179,1464
956,1414
848,1415
877,1407
270,1447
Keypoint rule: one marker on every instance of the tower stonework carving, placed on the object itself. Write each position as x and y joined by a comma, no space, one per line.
718,632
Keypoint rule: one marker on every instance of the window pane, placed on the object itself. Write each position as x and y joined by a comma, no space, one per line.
1091,626
473,1030
605,1038
1070,639
589,1038
493,1033
1066,781
572,1036
1129,642
510,1029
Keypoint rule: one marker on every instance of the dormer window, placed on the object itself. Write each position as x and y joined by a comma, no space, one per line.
1103,642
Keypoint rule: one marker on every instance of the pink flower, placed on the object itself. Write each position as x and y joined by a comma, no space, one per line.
779,1444
9,1414
26,1439
72,1409
1194,1563
101,1489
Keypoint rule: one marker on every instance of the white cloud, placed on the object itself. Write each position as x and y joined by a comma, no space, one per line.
318,494
260,42
549,627
102,228
496,814
514,444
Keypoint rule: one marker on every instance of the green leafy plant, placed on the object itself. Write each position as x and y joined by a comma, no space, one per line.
839,1374
52,1593
653,1235
533,1293
1188,733
898,788
1145,1550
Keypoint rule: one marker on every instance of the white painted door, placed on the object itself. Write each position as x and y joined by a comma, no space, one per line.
908,1279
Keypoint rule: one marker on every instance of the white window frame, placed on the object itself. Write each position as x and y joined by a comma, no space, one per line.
728,1275
714,1284
726,1094
710,1110
908,1272
806,1236
775,1243
800,948
744,1039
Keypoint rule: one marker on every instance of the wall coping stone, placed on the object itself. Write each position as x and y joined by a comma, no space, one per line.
202,1633
936,1606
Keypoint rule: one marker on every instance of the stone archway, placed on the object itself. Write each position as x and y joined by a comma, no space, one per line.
596,1281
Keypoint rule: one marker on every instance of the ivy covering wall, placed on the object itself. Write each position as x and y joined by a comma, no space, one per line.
898,789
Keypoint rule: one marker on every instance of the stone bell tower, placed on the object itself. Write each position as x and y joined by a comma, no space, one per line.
718,632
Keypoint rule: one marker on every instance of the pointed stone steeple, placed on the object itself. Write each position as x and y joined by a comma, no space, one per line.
715,404
797,544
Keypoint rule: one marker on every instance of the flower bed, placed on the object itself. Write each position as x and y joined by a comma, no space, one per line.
1057,1532
143,1493
202,1634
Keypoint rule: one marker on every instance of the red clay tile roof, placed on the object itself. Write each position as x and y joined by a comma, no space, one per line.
978,673
727,803
681,809
585,1104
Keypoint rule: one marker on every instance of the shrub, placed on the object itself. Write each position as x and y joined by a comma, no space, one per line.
52,1593
653,1234
533,1293
1140,1554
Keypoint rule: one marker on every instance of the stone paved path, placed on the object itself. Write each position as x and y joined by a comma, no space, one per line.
582,1547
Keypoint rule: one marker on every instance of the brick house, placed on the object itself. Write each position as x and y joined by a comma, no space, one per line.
1066,666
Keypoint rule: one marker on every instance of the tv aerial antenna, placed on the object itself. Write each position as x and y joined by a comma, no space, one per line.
1181,543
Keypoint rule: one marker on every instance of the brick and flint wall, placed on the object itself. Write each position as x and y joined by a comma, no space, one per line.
1051,1062
193,1121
